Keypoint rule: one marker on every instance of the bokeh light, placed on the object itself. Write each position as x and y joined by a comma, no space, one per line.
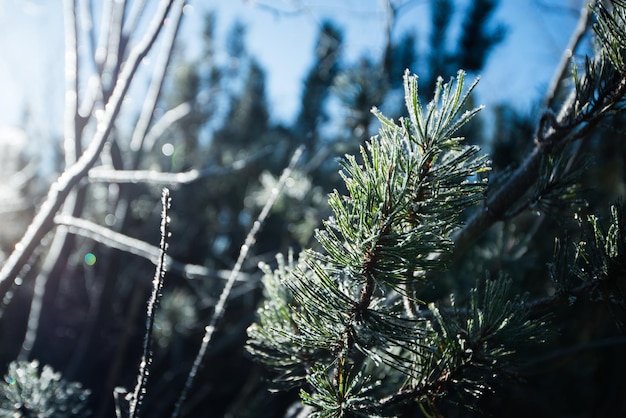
90,259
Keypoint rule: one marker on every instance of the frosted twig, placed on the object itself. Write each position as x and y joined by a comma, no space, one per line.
116,43
153,304
137,247
155,177
564,64
72,149
169,118
220,307
156,84
102,44
72,144
136,11
58,192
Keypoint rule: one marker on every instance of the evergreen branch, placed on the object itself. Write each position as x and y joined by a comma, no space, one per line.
31,391
220,307
402,203
611,29
470,342
599,92
348,398
58,192
153,304
527,174
272,338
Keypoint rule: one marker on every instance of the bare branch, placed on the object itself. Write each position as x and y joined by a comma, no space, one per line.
43,220
100,174
136,11
86,18
581,28
220,307
102,45
137,247
169,118
154,91
72,145
153,303
115,43
72,149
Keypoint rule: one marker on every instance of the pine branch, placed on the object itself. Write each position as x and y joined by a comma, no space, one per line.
598,93
403,202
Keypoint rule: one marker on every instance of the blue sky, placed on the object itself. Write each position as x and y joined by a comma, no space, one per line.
31,47
518,70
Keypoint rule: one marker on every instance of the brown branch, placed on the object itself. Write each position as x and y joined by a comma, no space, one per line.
560,131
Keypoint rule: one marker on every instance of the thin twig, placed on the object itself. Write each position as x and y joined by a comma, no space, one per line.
101,46
220,307
100,174
169,118
86,17
115,43
564,65
153,304
58,192
562,130
136,11
72,149
72,144
137,247
156,85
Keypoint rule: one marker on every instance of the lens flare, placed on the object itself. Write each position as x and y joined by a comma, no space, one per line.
90,259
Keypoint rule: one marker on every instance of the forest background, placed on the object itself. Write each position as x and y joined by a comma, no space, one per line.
80,302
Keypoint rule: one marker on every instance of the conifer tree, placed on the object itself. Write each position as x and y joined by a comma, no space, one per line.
478,37
361,326
316,84
347,321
